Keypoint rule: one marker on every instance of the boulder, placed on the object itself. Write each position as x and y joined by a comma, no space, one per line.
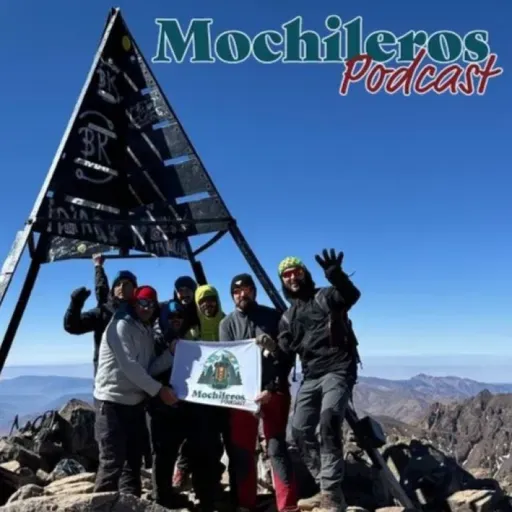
78,433
478,501
12,451
26,492
99,502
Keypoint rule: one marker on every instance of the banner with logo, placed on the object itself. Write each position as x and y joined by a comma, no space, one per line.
226,374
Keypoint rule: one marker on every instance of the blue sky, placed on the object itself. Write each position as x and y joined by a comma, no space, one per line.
415,190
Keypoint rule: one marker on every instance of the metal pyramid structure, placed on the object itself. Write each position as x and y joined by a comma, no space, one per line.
125,178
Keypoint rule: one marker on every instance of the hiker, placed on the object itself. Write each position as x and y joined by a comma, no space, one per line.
184,289
210,314
95,320
171,425
126,365
317,328
252,320
102,294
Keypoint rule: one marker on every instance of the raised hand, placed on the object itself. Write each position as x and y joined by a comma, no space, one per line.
98,259
80,294
330,259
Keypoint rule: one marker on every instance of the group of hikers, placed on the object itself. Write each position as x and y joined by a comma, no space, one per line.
135,336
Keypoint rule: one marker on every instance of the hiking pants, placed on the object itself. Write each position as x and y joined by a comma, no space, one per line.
169,427
244,434
146,452
223,442
220,416
183,463
119,432
322,402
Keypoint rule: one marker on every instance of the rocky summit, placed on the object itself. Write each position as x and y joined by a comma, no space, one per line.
50,464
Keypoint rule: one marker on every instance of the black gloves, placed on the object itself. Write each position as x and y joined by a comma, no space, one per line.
331,263
80,295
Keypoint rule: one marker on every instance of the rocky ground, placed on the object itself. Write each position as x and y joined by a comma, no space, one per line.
477,432
50,467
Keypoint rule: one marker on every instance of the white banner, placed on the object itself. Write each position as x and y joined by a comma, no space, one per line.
226,374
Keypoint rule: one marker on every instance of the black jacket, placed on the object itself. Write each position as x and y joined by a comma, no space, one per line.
317,328
259,319
95,320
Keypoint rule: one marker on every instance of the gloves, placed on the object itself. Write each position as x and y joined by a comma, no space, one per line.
266,342
80,295
331,263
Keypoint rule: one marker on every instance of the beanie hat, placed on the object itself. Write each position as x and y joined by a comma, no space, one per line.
124,274
206,290
290,262
145,292
185,282
173,307
242,280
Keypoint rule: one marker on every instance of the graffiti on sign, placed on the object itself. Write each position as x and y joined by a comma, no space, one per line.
74,221
107,73
96,132
149,111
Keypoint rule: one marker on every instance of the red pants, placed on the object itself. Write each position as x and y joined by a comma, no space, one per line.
244,432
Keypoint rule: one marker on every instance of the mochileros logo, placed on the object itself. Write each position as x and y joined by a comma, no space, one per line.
221,371
344,44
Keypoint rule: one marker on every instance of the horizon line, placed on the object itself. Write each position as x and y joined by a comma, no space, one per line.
370,355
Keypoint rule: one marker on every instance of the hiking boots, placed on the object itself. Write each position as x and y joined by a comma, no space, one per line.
331,503
176,501
325,501
181,481
310,503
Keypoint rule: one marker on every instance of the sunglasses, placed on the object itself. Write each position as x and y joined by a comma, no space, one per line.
239,289
146,303
293,272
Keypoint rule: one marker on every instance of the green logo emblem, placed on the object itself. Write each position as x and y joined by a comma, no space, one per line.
221,371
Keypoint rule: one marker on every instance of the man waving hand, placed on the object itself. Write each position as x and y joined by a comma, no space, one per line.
317,328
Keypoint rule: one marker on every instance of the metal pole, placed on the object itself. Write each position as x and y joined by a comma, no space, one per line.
22,302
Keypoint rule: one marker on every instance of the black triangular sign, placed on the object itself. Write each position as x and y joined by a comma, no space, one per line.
125,171
125,177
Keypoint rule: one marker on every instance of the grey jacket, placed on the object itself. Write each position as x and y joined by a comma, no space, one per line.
259,319
127,362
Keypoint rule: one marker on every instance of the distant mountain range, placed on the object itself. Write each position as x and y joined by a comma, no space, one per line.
405,400
27,396
408,400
